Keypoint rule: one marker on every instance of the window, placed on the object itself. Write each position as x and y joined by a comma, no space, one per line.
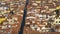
59,21
56,22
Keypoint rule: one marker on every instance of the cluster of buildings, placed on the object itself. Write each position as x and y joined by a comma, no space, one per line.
11,13
43,16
